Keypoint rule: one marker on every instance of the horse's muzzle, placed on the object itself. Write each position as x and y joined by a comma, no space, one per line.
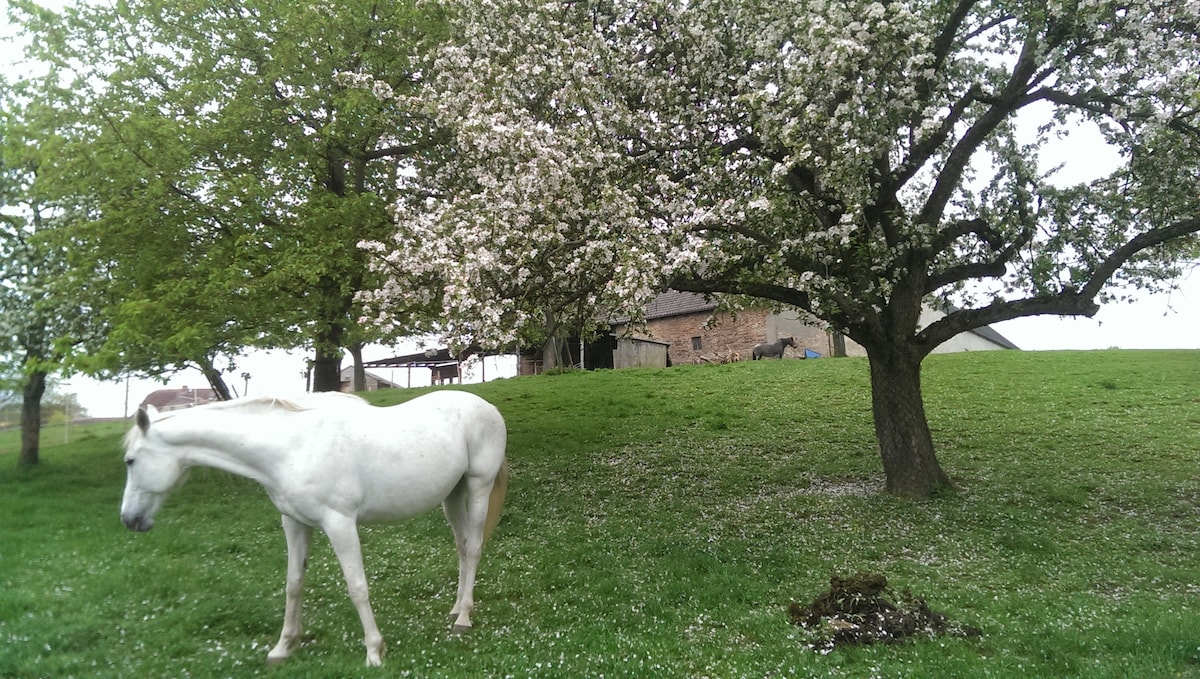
137,523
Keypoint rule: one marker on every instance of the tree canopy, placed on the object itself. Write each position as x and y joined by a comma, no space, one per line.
854,160
233,172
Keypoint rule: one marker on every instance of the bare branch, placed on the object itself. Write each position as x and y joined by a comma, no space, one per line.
960,157
1069,302
778,293
923,151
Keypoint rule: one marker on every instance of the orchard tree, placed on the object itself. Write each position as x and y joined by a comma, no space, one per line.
42,321
233,171
854,160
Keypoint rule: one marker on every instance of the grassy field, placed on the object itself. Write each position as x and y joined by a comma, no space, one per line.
659,523
57,434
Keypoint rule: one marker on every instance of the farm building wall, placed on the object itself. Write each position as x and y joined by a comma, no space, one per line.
788,323
693,339
692,330
373,382
732,338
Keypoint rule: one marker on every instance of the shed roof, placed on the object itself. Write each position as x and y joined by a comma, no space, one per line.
678,303
424,359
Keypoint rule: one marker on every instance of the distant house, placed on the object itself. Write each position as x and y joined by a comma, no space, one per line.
697,333
684,327
177,399
373,383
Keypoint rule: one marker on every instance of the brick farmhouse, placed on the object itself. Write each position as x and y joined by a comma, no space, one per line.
695,331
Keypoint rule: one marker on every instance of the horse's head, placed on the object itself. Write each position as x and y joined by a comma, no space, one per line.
153,469
789,342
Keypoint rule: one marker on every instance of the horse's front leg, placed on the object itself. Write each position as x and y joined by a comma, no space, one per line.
299,537
343,535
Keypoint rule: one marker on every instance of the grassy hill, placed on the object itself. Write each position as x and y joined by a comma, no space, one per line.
660,522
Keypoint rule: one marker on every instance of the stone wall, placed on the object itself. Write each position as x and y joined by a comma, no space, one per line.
694,339
731,337
790,324
708,337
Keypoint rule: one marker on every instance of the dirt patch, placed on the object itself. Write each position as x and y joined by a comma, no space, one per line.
862,609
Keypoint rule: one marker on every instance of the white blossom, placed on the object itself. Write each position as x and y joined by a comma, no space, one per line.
602,151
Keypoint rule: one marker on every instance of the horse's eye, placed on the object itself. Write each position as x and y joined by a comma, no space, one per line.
129,462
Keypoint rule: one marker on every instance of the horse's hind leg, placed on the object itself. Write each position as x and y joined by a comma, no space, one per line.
466,509
299,537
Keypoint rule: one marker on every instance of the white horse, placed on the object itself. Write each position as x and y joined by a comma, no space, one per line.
330,461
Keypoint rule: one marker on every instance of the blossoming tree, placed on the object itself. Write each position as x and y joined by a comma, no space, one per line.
851,159
42,319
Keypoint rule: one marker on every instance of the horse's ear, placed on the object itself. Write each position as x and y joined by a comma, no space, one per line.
143,419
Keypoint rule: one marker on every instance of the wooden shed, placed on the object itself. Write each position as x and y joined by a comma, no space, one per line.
640,352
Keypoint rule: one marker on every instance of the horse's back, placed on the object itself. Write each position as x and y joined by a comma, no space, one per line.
478,422
458,411
399,460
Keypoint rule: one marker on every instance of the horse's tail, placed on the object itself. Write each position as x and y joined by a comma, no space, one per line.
496,500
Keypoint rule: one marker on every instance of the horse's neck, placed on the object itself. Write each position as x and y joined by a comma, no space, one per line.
234,444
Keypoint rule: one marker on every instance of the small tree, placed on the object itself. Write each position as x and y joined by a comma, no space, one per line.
855,160
40,318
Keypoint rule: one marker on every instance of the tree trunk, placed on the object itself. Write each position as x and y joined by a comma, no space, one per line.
360,373
552,349
905,444
31,418
327,370
332,307
551,354
215,380
839,345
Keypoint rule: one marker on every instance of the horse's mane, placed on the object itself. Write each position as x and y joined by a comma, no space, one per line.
304,402
267,402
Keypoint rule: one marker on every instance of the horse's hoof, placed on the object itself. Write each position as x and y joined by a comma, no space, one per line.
459,630
273,660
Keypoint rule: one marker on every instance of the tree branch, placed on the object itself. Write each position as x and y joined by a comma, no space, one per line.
993,268
393,151
799,178
777,293
1142,241
963,272
1094,101
1069,302
963,227
960,157
922,152
945,40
